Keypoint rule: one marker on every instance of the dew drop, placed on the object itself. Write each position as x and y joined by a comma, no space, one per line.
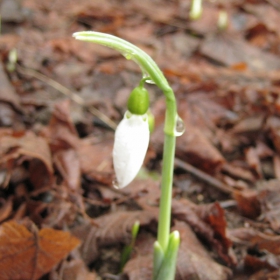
148,79
180,127
128,56
116,184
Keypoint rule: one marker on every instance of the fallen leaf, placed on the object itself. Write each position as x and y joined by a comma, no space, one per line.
27,254
266,14
61,131
253,263
238,170
230,50
29,145
96,160
273,124
269,199
7,92
255,239
208,222
68,164
76,270
254,161
248,203
6,208
113,228
193,261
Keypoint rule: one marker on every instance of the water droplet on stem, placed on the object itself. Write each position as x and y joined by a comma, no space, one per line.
180,127
147,78
127,55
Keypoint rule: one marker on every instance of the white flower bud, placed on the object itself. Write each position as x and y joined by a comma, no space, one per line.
130,147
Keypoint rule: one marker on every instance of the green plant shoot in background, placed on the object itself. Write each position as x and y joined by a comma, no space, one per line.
166,246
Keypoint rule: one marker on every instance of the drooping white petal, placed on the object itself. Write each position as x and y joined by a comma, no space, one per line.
130,147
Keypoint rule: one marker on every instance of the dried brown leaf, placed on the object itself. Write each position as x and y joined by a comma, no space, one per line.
267,15
253,263
254,161
111,229
231,50
273,124
269,198
28,254
207,221
193,261
27,144
96,160
256,239
6,208
248,203
61,131
68,164
7,92
76,270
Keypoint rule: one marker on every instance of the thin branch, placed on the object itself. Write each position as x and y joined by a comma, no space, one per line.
64,90
203,176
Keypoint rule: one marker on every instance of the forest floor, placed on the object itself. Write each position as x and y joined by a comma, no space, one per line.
60,102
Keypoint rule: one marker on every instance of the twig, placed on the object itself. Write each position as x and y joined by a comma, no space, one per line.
203,176
64,90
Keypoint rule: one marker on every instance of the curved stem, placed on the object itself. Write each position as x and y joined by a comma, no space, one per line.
145,62
149,67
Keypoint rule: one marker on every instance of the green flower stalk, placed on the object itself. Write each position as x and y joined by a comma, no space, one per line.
166,246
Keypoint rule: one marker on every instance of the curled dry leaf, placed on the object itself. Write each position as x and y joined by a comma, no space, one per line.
193,261
7,92
6,208
113,228
273,124
208,222
263,203
198,150
68,164
96,160
255,239
248,203
29,145
269,198
27,254
257,264
76,270
231,50
254,161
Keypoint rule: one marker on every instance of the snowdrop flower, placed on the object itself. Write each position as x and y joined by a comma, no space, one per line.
131,138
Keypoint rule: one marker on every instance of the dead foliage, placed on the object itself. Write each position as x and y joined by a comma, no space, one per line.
60,100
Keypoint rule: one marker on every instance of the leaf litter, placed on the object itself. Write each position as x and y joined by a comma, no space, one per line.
56,168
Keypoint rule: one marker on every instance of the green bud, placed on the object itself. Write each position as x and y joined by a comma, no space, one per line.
138,101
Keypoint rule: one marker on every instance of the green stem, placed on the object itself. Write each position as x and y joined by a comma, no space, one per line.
166,191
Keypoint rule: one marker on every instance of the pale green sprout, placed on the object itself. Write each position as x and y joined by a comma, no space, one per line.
223,20
128,249
167,245
12,60
196,9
